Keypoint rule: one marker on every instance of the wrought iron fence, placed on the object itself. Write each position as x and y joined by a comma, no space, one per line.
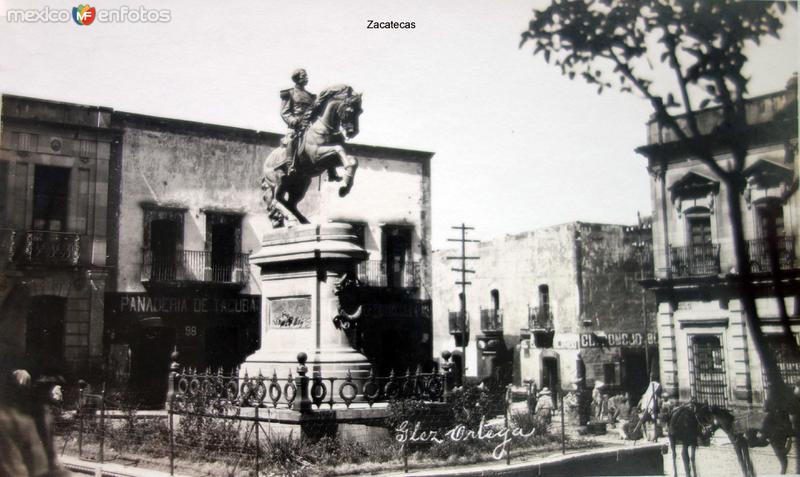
491,320
226,394
51,248
204,427
758,250
195,266
377,273
694,260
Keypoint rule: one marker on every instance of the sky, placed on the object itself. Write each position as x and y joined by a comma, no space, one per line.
517,146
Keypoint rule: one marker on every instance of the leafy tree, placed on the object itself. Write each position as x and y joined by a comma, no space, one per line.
624,44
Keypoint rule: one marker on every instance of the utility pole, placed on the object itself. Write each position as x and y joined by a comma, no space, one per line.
463,282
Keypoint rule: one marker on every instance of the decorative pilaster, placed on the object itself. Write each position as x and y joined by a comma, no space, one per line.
666,349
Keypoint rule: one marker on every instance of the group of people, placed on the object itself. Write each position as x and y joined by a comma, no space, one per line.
633,422
27,400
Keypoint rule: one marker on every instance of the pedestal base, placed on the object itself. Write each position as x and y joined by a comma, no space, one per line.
300,269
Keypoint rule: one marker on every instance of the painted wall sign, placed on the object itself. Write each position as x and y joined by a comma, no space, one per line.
147,304
590,340
294,312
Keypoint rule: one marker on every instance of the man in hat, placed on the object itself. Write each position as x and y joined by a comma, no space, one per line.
296,108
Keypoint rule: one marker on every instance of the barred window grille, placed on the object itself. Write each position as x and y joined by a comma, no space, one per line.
788,362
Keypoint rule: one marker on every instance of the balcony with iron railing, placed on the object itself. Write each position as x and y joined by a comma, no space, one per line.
195,266
491,320
375,273
694,260
43,247
458,322
759,251
540,318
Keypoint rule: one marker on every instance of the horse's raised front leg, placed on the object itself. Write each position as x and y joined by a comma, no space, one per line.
350,165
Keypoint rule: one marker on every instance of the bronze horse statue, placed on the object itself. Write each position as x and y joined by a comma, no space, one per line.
321,148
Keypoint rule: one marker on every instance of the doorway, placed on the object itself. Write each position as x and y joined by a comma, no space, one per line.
397,246
164,239
222,348
549,374
223,251
150,358
44,333
634,373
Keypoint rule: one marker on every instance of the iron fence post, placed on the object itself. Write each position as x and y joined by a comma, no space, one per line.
301,381
258,444
405,442
563,443
171,442
102,420
81,387
508,429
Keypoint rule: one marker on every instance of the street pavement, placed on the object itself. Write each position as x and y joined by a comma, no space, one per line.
719,460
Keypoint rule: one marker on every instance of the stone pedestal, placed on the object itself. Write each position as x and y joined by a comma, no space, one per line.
300,267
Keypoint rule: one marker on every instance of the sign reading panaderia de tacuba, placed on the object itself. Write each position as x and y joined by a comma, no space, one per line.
144,303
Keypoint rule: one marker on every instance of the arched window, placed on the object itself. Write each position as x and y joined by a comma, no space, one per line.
544,299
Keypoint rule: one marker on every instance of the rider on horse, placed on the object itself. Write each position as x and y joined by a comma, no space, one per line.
296,107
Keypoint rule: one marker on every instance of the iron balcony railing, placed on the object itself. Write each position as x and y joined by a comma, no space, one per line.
376,273
491,320
540,318
43,247
8,238
694,260
458,321
758,250
195,266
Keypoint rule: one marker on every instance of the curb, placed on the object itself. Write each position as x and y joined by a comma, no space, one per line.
87,467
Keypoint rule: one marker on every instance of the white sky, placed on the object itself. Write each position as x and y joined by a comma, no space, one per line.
517,145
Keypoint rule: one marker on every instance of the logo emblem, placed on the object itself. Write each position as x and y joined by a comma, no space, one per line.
83,14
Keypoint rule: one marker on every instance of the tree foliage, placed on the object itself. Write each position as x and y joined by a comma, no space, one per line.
624,44
700,45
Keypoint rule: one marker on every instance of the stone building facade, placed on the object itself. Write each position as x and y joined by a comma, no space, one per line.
705,349
540,299
54,226
190,214
131,234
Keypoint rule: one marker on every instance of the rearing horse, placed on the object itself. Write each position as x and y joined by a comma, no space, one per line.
321,148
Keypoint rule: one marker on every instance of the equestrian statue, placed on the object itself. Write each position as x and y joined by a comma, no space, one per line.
315,144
